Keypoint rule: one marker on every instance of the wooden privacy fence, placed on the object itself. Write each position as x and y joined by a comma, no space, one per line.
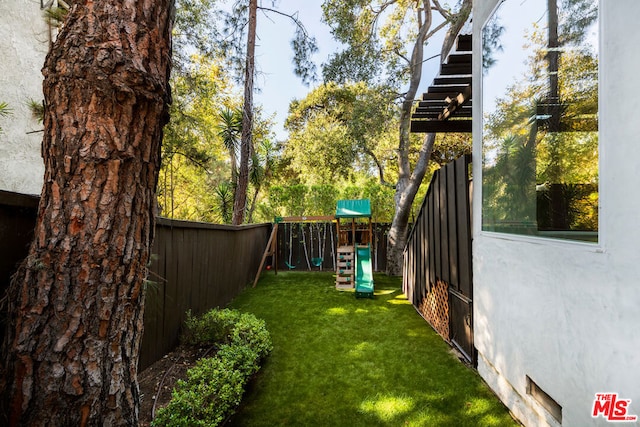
312,246
17,220
437,273
194,266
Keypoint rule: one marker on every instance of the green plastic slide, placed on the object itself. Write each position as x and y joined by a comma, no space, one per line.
364,272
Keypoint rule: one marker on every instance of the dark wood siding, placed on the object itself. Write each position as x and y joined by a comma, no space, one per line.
195,267
437,259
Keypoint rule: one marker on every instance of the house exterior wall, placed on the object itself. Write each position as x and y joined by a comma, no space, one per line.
25,40
568,314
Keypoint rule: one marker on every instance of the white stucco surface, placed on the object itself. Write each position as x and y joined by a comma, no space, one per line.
24,45
568,314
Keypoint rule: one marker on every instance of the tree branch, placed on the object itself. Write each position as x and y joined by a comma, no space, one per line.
380,167
293,17
423,159
443,12
435,30
382,7
397,52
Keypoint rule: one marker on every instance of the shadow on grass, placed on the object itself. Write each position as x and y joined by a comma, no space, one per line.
342,361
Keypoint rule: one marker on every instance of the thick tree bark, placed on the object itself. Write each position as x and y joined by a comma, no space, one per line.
246,142
76,304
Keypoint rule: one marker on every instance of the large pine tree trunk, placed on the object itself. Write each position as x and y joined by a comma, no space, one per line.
76,304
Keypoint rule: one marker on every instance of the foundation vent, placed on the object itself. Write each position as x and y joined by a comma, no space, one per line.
544,399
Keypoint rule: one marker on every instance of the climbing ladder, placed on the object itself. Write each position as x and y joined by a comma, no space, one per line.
345,267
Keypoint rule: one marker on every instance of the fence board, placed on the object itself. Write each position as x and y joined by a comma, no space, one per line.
452,218
464,226
431,241
205,266
437,275
444,227
436,225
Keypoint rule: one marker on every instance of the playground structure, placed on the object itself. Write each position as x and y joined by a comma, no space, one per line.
349,254
272,245
354,269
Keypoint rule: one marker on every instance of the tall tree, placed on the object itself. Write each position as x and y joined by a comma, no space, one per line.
385,40
244,15
246,144
76,303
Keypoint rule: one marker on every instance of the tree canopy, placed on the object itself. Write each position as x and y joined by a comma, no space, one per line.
337,129
344,130
385,45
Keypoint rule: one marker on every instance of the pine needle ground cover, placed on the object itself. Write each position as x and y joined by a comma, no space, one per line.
342,361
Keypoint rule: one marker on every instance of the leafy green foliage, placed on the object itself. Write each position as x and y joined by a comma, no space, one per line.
229,130
199,152
224,202
214,387
353,24
4,111
338,128
214,326
55,16
194,29
576,15
37,109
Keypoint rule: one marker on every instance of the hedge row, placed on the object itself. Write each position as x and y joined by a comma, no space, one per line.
214,387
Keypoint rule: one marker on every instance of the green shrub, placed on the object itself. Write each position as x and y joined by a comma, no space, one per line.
215,326
214,387
242,357
252,332
212,391
225,327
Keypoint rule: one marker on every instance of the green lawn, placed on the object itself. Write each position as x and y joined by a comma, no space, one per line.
341,361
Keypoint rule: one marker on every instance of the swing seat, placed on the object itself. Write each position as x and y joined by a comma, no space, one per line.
291,267
317,262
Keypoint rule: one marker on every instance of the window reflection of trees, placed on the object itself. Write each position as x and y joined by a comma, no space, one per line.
540,166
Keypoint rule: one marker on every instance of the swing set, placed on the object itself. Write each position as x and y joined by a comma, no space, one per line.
288,223
351,254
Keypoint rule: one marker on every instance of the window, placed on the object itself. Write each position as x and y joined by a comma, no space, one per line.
540,119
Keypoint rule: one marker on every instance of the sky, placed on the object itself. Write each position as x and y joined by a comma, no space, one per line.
277,84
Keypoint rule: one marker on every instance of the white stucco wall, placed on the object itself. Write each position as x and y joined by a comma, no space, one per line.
23,48
568,314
